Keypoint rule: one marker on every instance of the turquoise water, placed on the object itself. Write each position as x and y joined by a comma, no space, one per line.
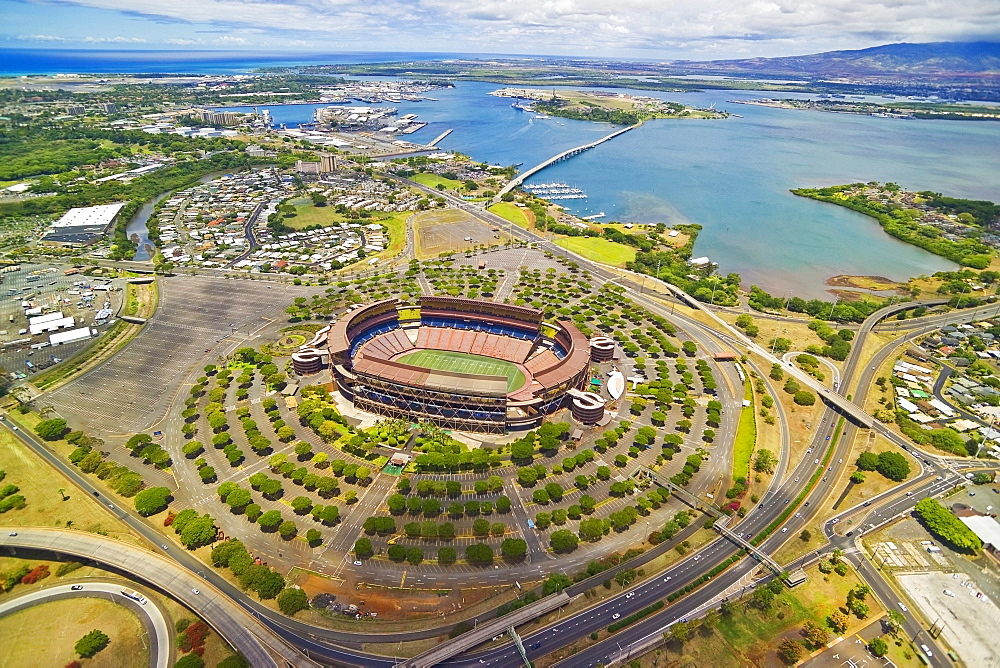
732,176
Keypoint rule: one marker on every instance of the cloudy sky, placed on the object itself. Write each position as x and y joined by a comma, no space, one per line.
699,29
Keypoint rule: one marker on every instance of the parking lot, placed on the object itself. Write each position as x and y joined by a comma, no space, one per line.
449,230
45,286
199,319
968,621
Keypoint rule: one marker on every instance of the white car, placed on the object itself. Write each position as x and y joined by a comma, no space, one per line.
902,607
784,529
357,563
615,616
948,592
195,592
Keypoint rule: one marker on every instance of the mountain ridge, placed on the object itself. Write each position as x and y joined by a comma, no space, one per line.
903,59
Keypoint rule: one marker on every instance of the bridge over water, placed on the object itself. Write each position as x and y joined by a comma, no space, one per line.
520,178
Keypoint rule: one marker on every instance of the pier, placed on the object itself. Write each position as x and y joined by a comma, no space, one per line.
565,155
440,137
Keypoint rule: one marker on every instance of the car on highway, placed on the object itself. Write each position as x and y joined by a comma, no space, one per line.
784,529
927,651
668,578
630,594
817,461
12,533
616,615
76,587
195,592
164,547
902,607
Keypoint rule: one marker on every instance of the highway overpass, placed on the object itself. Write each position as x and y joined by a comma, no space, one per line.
241,630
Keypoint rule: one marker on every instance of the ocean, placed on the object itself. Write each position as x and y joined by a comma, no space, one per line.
732,176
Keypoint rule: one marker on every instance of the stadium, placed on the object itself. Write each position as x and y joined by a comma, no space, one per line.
463,364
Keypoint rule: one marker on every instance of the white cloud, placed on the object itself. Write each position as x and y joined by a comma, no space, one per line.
716,28
114,40
43,38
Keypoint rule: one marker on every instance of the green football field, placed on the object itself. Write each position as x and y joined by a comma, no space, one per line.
446,360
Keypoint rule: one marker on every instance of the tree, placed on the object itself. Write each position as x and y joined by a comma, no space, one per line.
363,548
563,540
197,532
556,582
191,660
681,632
270,519
867,461
789,651
447,555
91,644
838,621
815,634
238,498
893,466
946,526
479,553
895,621
152,500
287,529
302,505
804,398
765,461
52,430
878,646
291,600
805,536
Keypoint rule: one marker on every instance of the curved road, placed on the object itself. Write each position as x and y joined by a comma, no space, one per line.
150,614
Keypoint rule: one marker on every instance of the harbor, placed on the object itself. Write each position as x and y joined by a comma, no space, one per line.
555,191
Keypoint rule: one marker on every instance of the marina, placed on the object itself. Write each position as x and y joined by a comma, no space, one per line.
555,191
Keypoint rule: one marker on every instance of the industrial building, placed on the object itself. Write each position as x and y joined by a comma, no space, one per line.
83,226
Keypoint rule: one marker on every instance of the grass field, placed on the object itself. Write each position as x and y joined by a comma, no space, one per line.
599,250
47,506
446,360
515,214
47,632
432,180
746,437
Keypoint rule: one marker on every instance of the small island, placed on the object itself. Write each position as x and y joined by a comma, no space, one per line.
600,106
941,111
962,230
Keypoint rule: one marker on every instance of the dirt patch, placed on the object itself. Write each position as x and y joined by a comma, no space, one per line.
404,604
876,283
447,231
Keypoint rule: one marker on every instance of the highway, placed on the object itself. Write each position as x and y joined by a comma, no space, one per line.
601,615
149,613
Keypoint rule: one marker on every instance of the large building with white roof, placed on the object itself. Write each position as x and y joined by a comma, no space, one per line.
83,226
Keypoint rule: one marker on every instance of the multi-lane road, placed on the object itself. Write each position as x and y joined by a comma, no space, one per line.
631,639
149,613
